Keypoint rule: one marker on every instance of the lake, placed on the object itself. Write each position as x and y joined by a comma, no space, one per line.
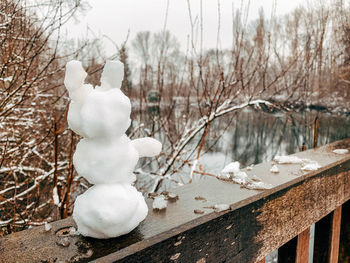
252,136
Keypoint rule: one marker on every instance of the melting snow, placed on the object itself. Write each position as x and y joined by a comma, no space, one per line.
258,186
159,203
232,172
288,160
274,169
231,168
341,151
313,166
221,207
48,226
307,164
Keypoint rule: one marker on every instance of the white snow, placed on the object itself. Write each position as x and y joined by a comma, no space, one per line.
274,169
258,185
221,207
159,203
56,199
240,177
288,160
307,164
232,172
231,168
147,147
312,166
341,151
111,161
109,210
224,176
105,156
48,226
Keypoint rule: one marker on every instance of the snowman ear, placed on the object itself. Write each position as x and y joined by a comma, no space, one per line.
113,74
75,76
147,147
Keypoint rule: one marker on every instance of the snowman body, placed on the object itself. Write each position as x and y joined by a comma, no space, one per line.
106,157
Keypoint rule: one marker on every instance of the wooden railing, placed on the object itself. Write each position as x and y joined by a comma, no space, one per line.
258,222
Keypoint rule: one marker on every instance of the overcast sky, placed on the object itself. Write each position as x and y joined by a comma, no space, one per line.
115,17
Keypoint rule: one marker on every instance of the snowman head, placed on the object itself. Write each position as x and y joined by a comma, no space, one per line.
103,112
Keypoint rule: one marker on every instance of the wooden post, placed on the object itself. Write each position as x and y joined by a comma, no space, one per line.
335,236
344,246
303,246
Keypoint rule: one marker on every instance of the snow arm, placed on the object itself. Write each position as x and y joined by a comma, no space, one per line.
74,79
147,147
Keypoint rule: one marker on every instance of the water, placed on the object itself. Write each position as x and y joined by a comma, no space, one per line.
255,136
251,137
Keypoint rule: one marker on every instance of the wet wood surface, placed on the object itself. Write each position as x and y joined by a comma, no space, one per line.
257,223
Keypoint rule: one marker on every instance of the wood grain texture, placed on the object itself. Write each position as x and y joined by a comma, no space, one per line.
335,235
302,254
258,222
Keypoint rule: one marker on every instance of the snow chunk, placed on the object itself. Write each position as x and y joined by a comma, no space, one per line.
240,177
274,169
106,161
109,210
250,167
147,147
288,160
221,207
312,166
56,199
232,171
48,226
258,186
105,113
341,151
159,203
231,168
74,80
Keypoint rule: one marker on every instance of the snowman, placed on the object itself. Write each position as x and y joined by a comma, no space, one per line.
106,157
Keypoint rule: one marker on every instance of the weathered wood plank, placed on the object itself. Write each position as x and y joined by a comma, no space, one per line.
258,223
303,246
335,235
